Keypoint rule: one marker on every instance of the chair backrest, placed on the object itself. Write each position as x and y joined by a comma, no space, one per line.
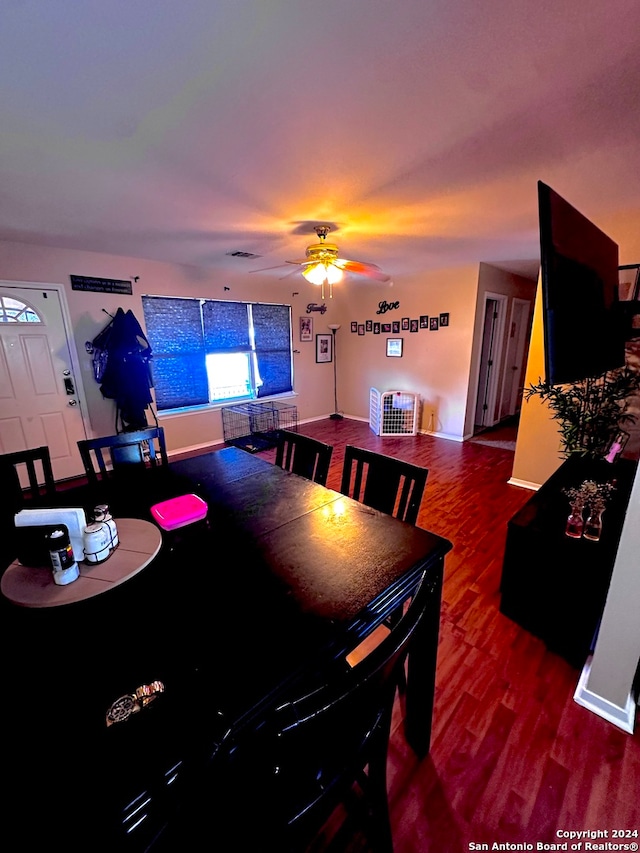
103,456
303,455
383,482
300,761
35,467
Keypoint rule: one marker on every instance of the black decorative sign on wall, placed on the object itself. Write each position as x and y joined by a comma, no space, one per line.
101,285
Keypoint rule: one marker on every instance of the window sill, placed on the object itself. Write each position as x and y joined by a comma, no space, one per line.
221,404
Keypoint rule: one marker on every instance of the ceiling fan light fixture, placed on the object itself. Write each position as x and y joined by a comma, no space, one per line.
321,272
324,272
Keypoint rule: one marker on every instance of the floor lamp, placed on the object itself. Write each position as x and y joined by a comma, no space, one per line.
335,416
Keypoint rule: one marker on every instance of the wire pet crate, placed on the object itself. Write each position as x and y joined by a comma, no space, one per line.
393,412
254,426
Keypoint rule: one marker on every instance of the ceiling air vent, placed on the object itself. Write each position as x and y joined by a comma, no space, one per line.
239,254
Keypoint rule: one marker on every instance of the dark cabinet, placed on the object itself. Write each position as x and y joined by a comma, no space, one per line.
552,585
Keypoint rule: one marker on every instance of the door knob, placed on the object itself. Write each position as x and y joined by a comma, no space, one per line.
73,402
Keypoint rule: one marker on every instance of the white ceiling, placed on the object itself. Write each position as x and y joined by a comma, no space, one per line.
183,130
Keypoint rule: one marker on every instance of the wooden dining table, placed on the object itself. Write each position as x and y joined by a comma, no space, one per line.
282,579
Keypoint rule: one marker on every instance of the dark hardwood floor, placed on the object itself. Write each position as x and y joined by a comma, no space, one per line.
514,760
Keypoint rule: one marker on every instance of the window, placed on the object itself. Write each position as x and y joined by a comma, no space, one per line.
208,351
14,311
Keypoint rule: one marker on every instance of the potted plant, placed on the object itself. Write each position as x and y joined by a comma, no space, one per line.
591,412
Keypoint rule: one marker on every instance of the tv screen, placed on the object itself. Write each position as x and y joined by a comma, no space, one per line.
584,330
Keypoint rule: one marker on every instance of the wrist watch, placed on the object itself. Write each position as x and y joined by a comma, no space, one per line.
131,703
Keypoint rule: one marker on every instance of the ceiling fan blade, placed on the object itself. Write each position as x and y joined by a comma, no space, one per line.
361,268
264,269
302,262
288,274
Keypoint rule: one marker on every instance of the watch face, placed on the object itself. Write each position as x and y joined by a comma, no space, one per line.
121,709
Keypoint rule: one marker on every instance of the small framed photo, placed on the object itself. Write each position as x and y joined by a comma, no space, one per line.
354,327
376,328
386,328
394,347
424,321
405,324
306,328
395,327
361,328
324,350
433,324
444,319
414,326
369,325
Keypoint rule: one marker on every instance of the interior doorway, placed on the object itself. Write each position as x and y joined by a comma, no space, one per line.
518,337
489,372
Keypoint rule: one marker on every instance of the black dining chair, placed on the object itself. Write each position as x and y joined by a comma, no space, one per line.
32,466
101,457
303,455
387,484
26,482
314,764
384,483
128,471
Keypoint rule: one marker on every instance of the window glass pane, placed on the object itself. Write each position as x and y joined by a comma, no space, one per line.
180,381
174,324
272,333
14,311
226,325
229,376
174,329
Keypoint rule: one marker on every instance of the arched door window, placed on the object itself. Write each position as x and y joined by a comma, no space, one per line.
15,311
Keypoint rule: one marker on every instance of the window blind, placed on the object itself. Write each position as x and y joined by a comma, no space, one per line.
178,365
272,335
183,331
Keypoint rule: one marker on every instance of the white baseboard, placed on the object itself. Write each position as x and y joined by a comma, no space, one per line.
524,484
623,718
446,435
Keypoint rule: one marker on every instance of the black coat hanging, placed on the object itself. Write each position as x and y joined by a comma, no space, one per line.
121,362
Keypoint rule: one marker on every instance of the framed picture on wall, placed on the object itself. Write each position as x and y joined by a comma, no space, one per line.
361,328
354,326
369,325
444,319
414,326
306,328
376,328
424,321
324,351
395,327
394,347
433,324
386,328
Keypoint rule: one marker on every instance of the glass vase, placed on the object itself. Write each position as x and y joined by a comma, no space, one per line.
575,522
593,525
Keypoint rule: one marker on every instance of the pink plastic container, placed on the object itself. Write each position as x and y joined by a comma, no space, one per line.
177,512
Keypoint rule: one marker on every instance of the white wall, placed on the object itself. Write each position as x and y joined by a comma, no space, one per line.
27,263
435,364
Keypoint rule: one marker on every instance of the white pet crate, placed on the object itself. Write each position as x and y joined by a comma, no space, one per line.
393,412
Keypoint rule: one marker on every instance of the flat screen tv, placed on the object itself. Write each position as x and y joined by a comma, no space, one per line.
584,329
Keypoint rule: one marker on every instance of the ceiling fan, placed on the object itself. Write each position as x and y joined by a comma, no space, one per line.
323,266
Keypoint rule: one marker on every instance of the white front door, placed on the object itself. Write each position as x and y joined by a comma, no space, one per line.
41,399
